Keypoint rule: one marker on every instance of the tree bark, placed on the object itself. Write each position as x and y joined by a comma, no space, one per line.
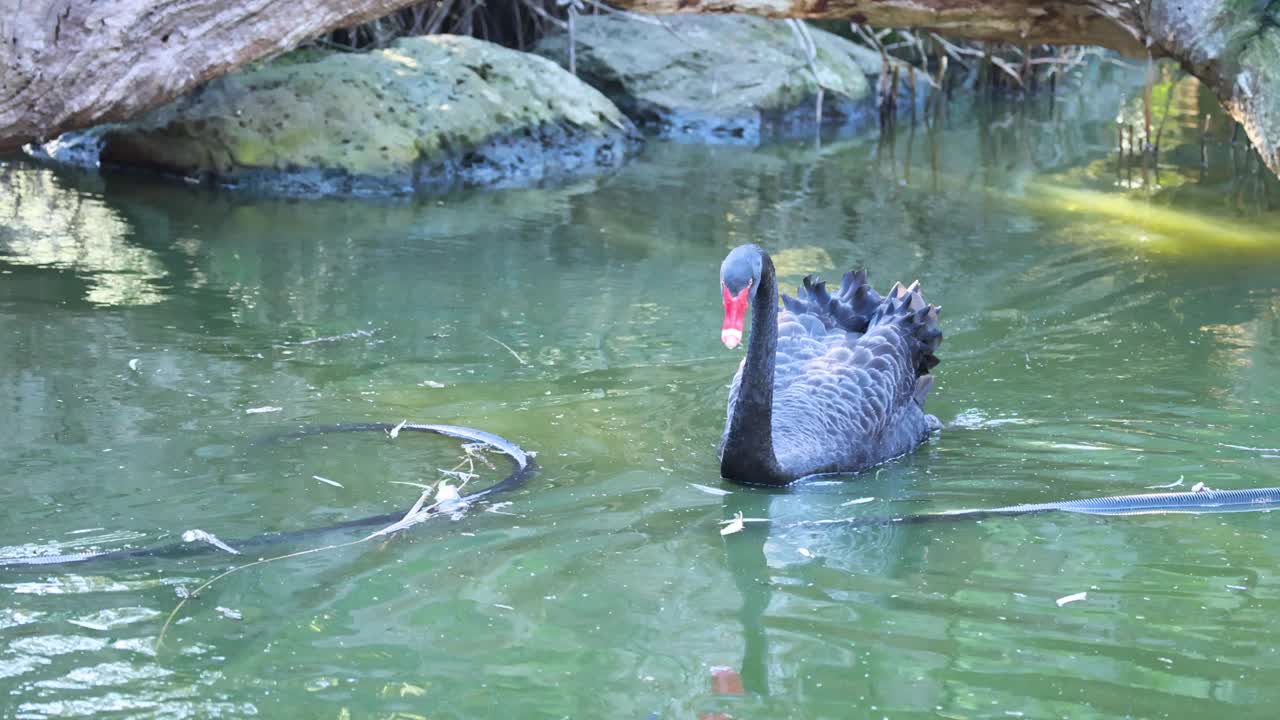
1049,22
1235,48
71,64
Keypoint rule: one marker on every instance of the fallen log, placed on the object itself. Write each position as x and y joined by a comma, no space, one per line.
71,64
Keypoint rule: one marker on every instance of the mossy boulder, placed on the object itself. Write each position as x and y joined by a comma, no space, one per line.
726,78
427,111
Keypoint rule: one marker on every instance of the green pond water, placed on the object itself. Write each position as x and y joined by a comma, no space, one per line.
1103,336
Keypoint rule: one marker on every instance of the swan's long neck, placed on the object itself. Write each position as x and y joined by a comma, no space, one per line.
748,452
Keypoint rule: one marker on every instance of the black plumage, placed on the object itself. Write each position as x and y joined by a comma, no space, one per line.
832,383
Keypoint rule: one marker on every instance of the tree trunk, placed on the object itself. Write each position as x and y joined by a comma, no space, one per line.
71,64
1235,48
1050,22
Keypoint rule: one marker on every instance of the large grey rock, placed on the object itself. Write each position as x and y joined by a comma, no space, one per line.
727,78
428,111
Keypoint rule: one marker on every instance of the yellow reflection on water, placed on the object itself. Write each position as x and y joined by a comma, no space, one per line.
800,261
47,225
1122,219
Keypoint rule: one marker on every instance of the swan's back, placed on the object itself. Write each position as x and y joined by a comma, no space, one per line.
851,376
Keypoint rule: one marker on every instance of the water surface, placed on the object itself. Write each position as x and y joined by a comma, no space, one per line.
1106,332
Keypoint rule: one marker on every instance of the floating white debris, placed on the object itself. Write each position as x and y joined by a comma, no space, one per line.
424,486
1237,587
395,431
710,490
805,552
1167,485
734,525
263,409
504,607
514,354
1250,448
1071,598
327,481
334,338
133,364
858,501
208,537
228,613
431,384
447,497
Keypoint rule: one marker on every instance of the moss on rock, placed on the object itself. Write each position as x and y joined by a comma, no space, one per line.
440,110
718,77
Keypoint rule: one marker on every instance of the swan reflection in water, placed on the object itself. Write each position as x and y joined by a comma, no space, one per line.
782,565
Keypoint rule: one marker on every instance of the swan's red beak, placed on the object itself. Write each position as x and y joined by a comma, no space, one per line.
735,310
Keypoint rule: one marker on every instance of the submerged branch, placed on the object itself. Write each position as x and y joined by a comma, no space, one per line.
447,499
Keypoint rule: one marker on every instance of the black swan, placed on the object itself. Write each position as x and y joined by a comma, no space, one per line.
833,383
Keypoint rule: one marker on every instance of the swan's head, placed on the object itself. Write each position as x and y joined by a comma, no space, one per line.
739,278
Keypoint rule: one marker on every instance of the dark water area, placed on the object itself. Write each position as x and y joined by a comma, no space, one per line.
1107,331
